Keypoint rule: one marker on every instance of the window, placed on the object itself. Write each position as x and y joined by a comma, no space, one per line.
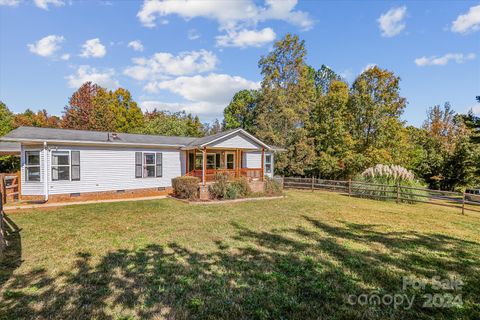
32,165
148,165
60,165
230,161
268,163
211,160
199,161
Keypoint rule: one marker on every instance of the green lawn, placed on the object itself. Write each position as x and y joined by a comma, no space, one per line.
301,257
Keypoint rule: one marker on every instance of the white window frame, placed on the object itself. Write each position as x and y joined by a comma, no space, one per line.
154,165
214,161
145,165
63,165
270,163
39,165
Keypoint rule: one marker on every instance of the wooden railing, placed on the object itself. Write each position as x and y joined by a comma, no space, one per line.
250,173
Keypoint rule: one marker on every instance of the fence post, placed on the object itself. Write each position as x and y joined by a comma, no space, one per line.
463,203
283,181
398,192
349,187
312,182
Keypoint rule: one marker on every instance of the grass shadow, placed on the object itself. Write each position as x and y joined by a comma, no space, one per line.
303,272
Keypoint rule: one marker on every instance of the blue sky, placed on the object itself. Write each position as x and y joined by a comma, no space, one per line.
195,55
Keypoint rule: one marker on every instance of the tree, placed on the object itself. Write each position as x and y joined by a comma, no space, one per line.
40,119
333,142
284,109
240,112
442,126
92,107
171,124
78,113
6,119
323,77
213,128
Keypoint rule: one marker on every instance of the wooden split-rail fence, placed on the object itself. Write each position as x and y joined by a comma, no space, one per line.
399,193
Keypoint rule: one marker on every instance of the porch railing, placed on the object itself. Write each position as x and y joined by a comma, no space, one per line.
250,173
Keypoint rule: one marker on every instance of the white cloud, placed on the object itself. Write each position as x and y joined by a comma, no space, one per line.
468,22
65,56
136,45
246,38
86,73
163,64
205,95
368,66
229,14
9,3
93,48
193,34
391,23
476,109
212,88
43,4
443,60
47,46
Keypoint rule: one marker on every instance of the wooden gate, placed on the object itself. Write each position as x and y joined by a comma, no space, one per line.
10,187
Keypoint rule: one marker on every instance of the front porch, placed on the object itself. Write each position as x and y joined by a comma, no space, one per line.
206,163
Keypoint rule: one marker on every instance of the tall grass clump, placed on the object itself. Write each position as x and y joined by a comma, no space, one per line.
385,179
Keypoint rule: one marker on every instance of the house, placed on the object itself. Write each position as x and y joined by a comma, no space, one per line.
59,164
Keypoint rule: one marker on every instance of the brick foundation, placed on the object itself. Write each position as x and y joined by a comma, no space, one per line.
257,186
103,195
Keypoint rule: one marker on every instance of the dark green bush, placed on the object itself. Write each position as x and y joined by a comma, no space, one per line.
233,192
218,189
186,187
272,187
242,186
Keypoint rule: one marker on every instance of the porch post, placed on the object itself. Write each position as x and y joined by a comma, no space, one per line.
263,164
187,159
204,165
237,169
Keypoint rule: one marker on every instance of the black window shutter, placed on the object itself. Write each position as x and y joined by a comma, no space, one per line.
75,165
159,164
138,165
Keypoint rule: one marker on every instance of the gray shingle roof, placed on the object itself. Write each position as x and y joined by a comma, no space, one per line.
9,147
66,135
48,134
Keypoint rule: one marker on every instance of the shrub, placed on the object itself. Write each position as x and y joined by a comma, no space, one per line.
185,187
272,186
387,177
242,186
233,191
218,189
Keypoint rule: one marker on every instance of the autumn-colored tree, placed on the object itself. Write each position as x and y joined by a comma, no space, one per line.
40,119
92,107
78,113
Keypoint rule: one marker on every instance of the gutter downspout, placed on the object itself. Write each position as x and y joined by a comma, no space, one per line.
45,171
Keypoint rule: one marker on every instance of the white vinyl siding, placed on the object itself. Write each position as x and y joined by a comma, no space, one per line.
32,188
237,140
114,169
253,160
